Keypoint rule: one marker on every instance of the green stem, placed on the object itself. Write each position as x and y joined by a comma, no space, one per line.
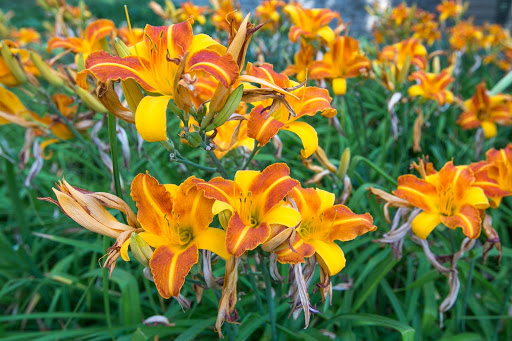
255,151
112,139
106,298
358,158
501,85
270,300
217,163
179,158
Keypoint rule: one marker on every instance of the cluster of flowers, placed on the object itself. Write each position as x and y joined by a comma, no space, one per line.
268,209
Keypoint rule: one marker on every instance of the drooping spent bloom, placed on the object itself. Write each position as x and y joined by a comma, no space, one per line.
164,63
272,115
494,175
449,197
175,220
344,60
311,23
268,12
432,86
255,202
88,42
486,111
449,9
322,223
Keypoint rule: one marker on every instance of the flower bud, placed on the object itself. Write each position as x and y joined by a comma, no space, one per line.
344,163
121,48
229,108
90,100
140,249
224,217
193,139
46,72
13,64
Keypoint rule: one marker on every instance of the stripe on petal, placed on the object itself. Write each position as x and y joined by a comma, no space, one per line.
344,225
170,267
218,188
223,68
468,218
301,250
240,238
417,192
262,129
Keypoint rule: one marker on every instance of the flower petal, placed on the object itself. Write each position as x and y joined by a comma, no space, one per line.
344,225
307,134
301,250
283,215
329,255
222,67
468,218
170,267
240,238
417,192
151,118
260,128
213,239
425,223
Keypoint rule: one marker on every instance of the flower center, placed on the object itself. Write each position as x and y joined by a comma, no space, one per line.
245,210
446,201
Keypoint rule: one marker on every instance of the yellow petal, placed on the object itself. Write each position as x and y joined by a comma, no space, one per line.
150,118
152,239
219,206
307,134
245,178
213,239
327,34
490,129
283,215
475,196
424,223
124,250
415,90
326,199
339,86
329,256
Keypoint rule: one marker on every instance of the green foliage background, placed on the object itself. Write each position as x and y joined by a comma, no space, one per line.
53,288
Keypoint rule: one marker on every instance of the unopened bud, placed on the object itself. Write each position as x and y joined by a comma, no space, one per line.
229,108
91,101
80,62
344,163
193,139
121,48
132,94
46,72
13,64
224,217
140,249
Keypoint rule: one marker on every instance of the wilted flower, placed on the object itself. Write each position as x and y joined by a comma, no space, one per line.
486,111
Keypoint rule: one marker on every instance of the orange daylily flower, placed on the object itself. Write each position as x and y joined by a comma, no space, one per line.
268,12
494,175
267,119
449,196
255,200
304,58
494,35
163,64
486,111
225,15
131,37
465,35
311,23
432,86
449,9
88,42
322,223
409,51
189,10
400,13
428,31
344,60
176,223
23,57
232,135
26,36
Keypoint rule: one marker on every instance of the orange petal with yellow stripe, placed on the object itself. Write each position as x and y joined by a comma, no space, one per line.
416,191
241,238
468,218
170,267
345,225
222,67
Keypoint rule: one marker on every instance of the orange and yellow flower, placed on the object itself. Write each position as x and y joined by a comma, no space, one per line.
322,224
344,60
449,9
268,12
465,35
131,37
486,111
432,86
427,31
271,116
401,54
189,10
255,201
176,223
88,42
303,59
225,15
26,36
311,23
449,196
164,63
400,13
